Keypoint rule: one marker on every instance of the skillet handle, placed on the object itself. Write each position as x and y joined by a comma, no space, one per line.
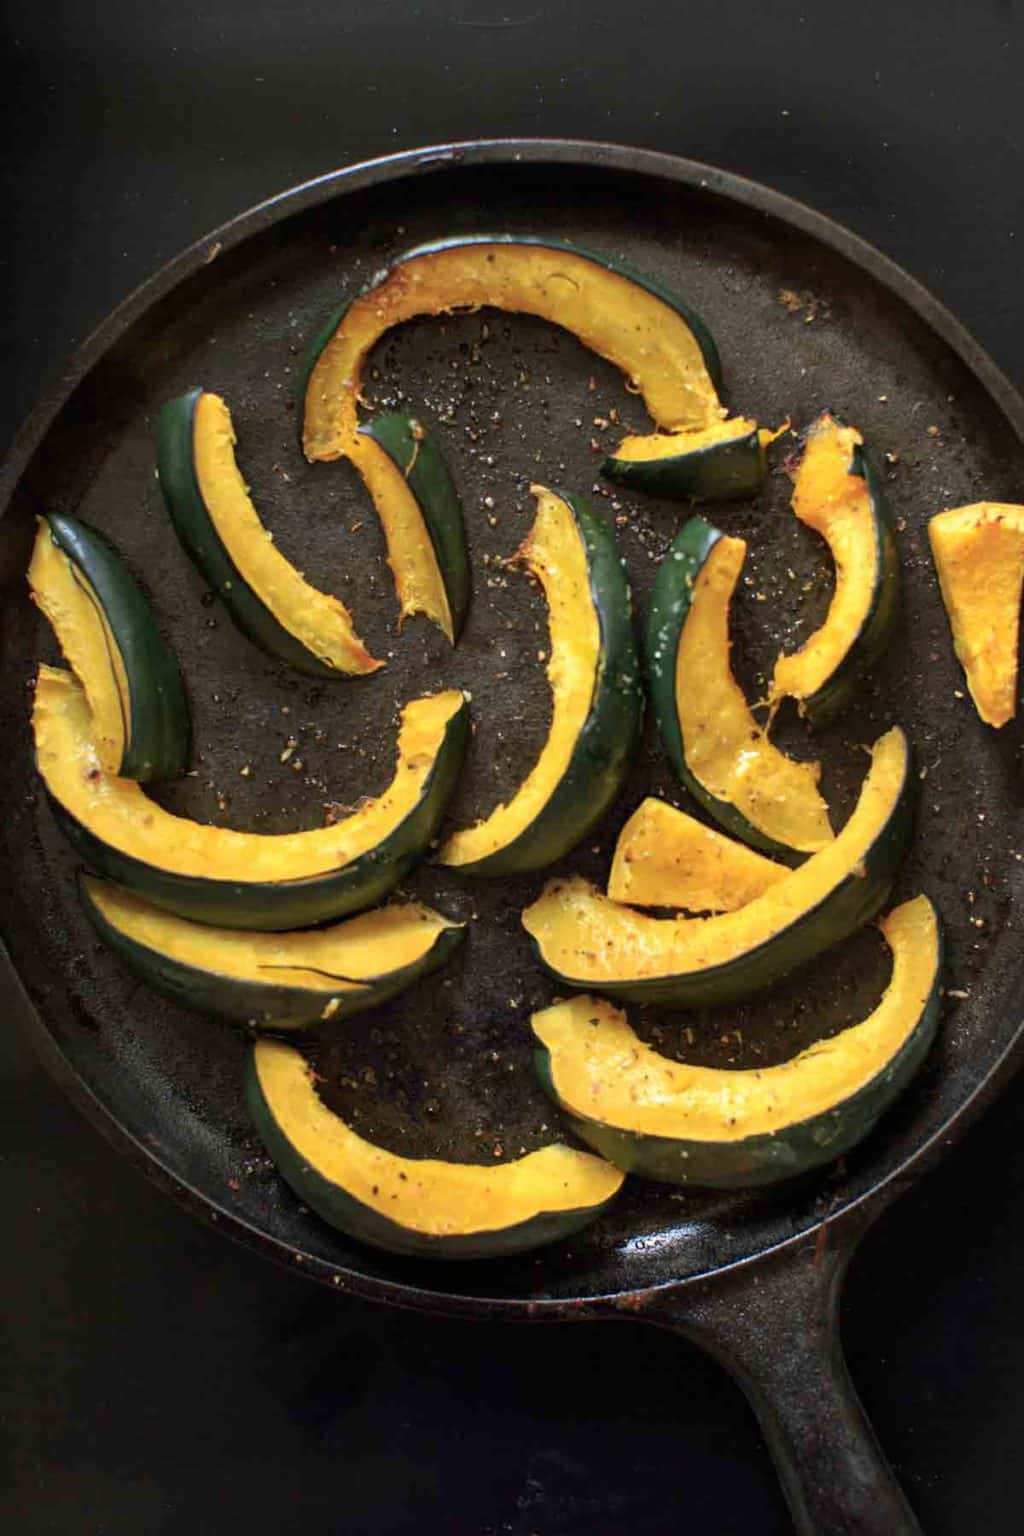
775,1327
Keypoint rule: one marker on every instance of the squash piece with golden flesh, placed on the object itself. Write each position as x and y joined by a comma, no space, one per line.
724,1128
423,1206
665,858
979,556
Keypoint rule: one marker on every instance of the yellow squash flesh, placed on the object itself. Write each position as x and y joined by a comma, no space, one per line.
554,552
331,960
725,747
979,556
602,1070
67,599
319,621
616,318
424,1195
665,858
120,814
585,936
419,584
668,445
836,504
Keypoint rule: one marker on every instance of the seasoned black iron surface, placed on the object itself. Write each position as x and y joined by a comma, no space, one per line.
448,1069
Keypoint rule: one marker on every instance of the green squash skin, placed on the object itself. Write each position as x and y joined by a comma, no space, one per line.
850,906
670,604
433,488
159,731
204,546
262,1004
724,471
604,748
769,1157
703,337
832,698
349,1215
269,906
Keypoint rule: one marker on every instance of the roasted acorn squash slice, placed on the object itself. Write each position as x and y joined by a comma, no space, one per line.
419,1206
837,494
597,698
665,858
420,510
716,746
247,879
276,981
209,503
109,636
979,556
663,349
664,1119
716,463
589,941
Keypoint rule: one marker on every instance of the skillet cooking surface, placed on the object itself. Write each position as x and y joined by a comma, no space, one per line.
800,328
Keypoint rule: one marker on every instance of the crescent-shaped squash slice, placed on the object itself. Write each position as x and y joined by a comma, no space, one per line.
109,636
716,746
662,347
246,879
420,1206
664,1119
979,556
210,506
837,494
715,463
290,981
589,941
665,858
597,699
421,514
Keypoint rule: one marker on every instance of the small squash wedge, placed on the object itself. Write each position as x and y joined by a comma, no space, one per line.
421,514
662,347
419,1206
837,494
714,743
109,636
979,556
687,962
719,462
723,1129
596,691
665,858
219,526
288,981
246,879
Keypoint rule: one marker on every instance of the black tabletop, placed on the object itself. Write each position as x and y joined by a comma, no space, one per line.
154,1378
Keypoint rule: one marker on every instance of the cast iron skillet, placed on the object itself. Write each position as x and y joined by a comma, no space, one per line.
806,316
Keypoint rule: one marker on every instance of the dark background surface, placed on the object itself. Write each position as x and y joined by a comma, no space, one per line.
152,1377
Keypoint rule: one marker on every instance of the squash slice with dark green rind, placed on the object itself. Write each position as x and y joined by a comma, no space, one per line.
716,746
662,347
109,636
209,504
288,981
421,514
597,698
837,493
247,879
720,463
727,1129
417,1206
595,944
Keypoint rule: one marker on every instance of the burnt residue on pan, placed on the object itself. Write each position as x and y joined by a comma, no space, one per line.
448,1070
